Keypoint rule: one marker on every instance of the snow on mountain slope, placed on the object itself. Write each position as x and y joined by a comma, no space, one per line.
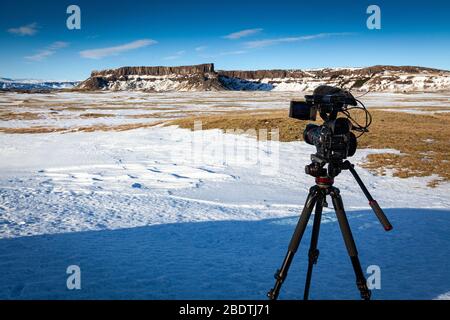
373,79
205,78
31,84
160,79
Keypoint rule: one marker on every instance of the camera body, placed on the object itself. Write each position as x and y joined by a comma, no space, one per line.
333,140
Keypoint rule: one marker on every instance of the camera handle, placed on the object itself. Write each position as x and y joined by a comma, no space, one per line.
372,202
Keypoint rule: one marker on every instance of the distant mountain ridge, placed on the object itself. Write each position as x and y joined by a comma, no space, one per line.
32,84
204,77
378,78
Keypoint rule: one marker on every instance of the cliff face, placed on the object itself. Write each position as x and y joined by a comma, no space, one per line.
156,71
203,77
263,74
200,77
324,72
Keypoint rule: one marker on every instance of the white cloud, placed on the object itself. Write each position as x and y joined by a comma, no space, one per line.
201,48
229,53
223,53
271,42
112,51
41,55
48,51
58,45
177,55
27,30
242,33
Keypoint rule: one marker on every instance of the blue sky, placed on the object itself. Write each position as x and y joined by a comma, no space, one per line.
35,42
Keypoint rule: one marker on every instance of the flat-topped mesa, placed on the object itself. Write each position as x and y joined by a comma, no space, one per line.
200,77
156,71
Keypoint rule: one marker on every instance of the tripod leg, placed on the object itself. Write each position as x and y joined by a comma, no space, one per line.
281,274
350,243
313,253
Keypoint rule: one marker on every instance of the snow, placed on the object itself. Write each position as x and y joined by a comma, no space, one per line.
384,81
388,81
6,83
163,212
444,296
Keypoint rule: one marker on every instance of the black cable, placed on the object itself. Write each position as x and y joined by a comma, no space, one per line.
356,125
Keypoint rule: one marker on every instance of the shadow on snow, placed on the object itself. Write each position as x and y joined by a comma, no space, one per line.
230,260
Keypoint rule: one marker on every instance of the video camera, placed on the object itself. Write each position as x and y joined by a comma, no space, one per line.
334,139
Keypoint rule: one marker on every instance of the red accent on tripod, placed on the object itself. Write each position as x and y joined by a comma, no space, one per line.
324,180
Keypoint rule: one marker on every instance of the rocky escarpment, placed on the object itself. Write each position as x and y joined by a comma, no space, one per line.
185,78
156,71
204,78
374,79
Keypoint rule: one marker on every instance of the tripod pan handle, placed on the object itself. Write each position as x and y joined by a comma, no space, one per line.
380,215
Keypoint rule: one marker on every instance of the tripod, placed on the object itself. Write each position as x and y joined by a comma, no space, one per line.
317,198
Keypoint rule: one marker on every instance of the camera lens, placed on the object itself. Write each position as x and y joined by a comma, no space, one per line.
311,135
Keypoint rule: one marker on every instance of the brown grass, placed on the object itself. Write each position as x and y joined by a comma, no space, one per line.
423,140
96,115
146,115
120,127
36,129
6,116
100,127
418,108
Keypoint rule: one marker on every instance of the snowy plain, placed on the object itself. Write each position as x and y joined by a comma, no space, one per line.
164,213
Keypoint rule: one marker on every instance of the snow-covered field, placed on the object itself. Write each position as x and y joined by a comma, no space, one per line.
168,213
73,109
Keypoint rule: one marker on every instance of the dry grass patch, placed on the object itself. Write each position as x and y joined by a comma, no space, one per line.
93,128
120,127
96,115
289,129
31,130
423,140
7,116
415,108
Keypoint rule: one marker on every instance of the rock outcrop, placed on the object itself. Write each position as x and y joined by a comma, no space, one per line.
156,71
186,78
203,77
374,79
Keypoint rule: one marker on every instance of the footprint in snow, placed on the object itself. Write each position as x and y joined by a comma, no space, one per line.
178,176
136,186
